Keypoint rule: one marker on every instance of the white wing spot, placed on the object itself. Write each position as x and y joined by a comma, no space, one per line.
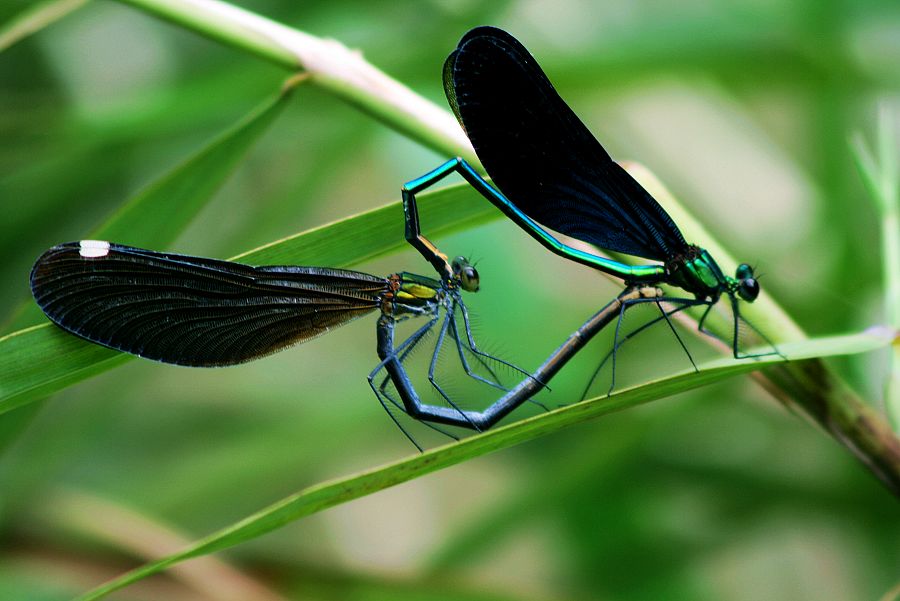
93,248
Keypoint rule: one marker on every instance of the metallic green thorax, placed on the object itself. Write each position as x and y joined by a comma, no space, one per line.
698,273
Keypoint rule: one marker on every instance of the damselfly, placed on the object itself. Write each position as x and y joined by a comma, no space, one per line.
203,312
547,168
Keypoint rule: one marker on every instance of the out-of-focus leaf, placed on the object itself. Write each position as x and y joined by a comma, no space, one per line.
34,19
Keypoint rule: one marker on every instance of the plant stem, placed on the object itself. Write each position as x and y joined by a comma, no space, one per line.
890,216
882,181
890,255
330,64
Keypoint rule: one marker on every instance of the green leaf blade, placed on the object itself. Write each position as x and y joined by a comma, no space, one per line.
43,359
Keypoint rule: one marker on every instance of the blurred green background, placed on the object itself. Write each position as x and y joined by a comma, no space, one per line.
742,108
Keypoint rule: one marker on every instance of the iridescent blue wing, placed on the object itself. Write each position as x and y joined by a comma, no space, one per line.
190,310
542,157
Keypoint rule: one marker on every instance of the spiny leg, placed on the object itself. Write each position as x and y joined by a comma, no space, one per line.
407,345
510,401
737,317
612,352
399,406
404,347
735,334
474,348
454,332
431,368
684,303
701,324
388,410
412,404
735,338
481,357
382,388
615,349
478,352
410,345
677,337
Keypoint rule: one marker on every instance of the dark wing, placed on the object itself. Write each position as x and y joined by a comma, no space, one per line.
542,157
190,310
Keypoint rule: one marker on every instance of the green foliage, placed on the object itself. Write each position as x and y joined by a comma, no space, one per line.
712,496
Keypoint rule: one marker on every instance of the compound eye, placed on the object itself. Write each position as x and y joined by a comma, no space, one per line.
743,272
468,278
749,289
468,275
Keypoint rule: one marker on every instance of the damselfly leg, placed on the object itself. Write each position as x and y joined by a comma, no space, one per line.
518,394
619,340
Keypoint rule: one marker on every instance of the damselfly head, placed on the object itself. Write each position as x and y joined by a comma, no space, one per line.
748,286
466,274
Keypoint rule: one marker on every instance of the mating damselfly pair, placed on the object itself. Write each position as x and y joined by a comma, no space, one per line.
547,171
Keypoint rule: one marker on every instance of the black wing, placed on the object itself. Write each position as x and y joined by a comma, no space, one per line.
190,310
542,157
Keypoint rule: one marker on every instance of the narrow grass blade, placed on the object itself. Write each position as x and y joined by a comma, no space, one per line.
156,215
328,494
